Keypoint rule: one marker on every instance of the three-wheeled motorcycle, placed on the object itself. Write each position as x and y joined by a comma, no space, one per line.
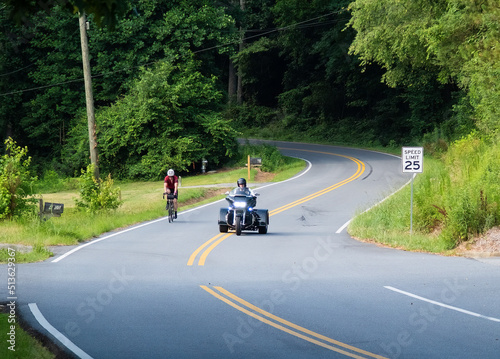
241,215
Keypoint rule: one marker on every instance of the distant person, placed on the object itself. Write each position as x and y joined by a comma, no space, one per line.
170,186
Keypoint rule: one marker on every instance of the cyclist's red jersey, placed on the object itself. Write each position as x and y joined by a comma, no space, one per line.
171,182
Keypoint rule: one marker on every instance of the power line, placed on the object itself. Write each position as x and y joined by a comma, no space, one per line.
302,24
15,71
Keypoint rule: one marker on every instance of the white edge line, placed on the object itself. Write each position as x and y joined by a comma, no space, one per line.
442,304
59,336
375,205
103,238
309,166
344,226
162,219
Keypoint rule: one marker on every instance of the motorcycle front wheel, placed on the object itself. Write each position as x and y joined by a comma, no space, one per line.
238,225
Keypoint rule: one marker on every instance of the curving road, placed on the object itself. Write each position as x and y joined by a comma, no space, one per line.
304,290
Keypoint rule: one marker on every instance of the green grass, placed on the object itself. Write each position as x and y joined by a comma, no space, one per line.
389,224
26,347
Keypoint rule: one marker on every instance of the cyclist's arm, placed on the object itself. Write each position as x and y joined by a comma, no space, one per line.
176,184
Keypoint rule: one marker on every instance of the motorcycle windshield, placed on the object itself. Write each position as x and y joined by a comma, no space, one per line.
240,192
241,198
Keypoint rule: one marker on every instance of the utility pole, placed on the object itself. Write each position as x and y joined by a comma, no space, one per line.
89,97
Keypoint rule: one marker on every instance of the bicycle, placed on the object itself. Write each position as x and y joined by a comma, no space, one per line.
170,207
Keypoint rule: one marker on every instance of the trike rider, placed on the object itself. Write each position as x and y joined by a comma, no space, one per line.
242,188
171,186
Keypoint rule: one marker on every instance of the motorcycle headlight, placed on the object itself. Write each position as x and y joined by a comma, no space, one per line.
240,204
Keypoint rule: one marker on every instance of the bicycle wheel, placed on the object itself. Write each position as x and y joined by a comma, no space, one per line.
170,212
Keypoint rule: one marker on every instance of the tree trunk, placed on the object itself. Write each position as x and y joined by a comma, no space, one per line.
231,86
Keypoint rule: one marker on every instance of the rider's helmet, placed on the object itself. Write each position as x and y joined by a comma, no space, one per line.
241,181
170,172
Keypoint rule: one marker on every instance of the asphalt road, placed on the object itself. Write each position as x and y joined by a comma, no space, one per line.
304,290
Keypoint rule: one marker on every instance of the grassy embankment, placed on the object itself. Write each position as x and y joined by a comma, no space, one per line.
142,201
456,199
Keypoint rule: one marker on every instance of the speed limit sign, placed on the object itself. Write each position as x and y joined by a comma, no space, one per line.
413,159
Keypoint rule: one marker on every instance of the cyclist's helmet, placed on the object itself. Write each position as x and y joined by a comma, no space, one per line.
170,172
241,181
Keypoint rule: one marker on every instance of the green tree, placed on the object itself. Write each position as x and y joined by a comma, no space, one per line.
47,67
325,93
105,11
169,119
455,41
14,67
55,55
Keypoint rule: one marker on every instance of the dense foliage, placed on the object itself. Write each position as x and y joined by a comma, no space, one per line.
298,62
15,181
41,70
104,10
97,195
167,120
454,41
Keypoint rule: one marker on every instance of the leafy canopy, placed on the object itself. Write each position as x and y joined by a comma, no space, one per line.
459,40
168,120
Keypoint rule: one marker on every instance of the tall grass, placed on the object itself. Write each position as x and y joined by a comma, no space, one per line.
455,199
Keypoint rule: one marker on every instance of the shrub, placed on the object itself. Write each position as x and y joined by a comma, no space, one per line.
97,194
16,183
464,192
272,159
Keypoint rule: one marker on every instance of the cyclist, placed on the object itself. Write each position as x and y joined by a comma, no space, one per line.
170,186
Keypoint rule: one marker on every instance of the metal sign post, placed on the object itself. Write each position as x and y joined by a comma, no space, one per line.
413,162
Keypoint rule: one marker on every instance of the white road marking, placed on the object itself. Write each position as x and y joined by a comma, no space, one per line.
59,336
375,205
442,304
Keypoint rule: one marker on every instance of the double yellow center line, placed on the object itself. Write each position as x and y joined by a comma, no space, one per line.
288,327
359,172
215,241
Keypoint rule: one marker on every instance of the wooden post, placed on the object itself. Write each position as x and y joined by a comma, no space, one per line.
89,95
248,163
